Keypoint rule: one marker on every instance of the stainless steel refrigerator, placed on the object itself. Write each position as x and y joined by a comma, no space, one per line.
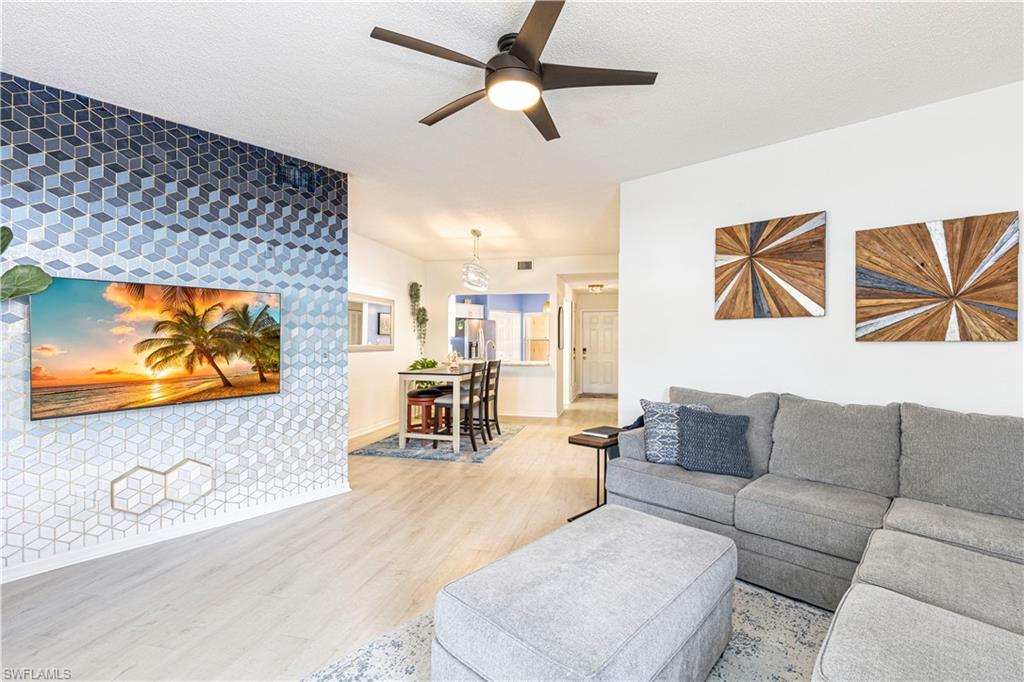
475,339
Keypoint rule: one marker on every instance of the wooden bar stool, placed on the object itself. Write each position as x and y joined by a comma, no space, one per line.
424,399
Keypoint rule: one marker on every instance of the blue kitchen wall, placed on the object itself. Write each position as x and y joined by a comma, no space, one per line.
510,302
522,303
534,303
97,191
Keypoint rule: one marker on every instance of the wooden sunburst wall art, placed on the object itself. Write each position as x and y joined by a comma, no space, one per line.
947,280
771,268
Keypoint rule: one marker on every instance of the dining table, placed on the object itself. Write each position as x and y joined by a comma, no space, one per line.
443,374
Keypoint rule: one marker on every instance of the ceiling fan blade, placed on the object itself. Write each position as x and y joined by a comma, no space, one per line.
452,107
541,119
424,47
533,36
557,76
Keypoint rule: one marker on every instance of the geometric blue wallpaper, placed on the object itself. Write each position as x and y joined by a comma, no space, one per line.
97,191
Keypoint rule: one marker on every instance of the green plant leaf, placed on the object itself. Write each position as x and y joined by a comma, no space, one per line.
22,280
5,238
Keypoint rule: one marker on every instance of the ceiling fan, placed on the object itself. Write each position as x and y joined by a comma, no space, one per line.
515,77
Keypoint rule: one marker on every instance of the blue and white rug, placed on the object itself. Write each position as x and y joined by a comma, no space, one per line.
773,638
416,448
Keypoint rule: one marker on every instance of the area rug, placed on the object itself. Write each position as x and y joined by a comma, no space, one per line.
416,448
773,638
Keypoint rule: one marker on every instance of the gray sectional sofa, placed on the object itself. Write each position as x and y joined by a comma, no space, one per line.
907,520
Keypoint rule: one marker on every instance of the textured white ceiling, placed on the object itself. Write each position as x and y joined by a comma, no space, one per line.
306,79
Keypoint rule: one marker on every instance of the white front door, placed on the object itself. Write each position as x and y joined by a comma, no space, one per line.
600,344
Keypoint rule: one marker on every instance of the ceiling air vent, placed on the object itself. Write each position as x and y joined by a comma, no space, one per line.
290,174
524,265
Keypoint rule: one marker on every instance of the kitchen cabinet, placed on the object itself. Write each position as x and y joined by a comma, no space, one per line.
469,311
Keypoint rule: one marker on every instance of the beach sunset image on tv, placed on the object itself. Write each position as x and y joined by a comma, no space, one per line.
99,346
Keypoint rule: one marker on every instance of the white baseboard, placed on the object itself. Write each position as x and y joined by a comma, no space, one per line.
77,556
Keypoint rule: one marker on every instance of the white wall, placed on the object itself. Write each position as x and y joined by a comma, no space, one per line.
378,270
603,301
955,158
524,391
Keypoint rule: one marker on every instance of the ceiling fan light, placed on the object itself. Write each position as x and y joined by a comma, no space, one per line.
513,95
512,87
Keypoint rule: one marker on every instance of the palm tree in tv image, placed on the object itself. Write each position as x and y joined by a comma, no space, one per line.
189,340
254,337
173,295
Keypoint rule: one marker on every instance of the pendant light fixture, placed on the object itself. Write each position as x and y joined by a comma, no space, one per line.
474,275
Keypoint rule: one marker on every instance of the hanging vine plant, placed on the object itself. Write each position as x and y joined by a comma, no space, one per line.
419,314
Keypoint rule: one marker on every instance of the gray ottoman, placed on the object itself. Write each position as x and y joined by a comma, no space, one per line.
616,595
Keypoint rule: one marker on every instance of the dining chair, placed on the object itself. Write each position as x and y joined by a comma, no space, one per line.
490,398
469,401
490,406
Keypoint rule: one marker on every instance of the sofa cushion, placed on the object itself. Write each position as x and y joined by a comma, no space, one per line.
760,407
674,515
855,446
878,635
709,496
715,443
974,585
631,444
613,595
998,536
827,518
970,461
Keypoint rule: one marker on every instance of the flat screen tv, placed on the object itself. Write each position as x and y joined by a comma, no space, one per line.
99,346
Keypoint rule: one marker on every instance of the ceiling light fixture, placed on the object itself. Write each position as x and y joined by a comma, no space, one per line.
513,88
595,288
474,275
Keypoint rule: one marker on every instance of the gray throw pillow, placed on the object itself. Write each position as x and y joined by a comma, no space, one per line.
715,443
662,437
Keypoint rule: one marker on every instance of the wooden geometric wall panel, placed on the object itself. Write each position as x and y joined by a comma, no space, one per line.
771,268
946,280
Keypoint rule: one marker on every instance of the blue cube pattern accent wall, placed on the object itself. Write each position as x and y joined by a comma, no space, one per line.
98,191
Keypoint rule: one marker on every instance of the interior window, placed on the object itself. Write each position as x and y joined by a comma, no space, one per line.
370,323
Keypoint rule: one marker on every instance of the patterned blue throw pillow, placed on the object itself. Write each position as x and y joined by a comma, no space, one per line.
662,435
715,443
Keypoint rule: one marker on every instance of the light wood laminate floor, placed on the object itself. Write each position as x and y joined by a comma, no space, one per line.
282,595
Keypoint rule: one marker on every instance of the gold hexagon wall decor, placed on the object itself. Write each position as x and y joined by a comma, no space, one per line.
140,489
137,490
187,481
